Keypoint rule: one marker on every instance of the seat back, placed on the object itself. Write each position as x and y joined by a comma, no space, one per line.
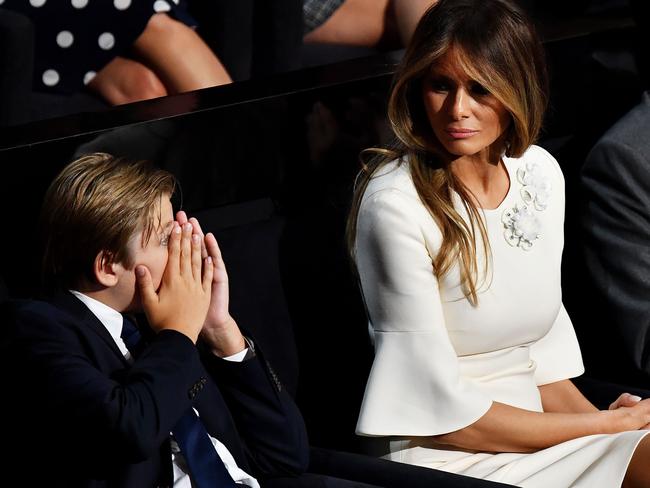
291,287
248,236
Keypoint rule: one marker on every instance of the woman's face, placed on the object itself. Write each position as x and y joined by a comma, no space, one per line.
464,116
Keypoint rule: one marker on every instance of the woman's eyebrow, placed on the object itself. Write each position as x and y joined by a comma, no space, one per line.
437,75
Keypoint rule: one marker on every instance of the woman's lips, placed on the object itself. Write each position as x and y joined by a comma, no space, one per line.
461,133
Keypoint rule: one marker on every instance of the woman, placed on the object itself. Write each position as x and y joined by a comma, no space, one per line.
123,51
457,234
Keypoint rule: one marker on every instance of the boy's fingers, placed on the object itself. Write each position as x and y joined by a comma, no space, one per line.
186,250
196,257
181,217
197,230
208,273
212,246
197,226
145,285
174,248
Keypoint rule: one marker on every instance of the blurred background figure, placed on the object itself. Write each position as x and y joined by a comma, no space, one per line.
369,23
123,51
75,56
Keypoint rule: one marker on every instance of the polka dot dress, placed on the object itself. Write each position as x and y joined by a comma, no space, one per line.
74,39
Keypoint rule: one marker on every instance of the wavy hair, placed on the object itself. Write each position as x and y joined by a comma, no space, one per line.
496,45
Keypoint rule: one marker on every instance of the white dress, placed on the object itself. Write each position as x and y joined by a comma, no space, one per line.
440,362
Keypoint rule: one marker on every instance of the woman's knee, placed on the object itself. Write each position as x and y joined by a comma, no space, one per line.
162,30
161,24
125,80
145,85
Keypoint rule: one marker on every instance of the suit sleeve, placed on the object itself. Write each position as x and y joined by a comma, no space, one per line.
269,423
414,387
102,418
616,224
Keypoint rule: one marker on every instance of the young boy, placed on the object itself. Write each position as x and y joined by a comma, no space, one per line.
98,406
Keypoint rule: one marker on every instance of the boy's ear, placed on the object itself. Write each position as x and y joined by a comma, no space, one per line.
105,270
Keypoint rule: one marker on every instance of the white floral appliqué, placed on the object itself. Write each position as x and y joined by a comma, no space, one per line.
522,227
536,189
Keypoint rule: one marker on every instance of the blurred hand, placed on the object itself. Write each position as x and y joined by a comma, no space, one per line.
183,298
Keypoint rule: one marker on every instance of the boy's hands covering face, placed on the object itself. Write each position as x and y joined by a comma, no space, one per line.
220,331
183,298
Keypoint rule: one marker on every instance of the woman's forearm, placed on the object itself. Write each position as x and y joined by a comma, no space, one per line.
564,397
509,429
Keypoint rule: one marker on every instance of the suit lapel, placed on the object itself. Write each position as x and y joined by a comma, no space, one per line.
75,307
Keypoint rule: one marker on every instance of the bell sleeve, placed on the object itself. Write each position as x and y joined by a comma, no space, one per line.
557,354
414,387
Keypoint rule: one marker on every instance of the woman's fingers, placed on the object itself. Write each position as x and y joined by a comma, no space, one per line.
625,400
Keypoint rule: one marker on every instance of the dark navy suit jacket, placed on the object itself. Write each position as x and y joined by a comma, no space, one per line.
81,415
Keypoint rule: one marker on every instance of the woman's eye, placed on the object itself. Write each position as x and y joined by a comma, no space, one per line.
478,89
164,240
439,85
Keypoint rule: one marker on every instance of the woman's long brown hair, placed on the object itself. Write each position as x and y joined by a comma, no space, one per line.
497,46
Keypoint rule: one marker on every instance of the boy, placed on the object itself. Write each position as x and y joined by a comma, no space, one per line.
101,407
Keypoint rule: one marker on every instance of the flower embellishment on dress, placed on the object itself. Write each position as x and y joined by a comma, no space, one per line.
522,227
536,189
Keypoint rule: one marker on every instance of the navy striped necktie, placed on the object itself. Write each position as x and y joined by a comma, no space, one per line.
206,467
131,336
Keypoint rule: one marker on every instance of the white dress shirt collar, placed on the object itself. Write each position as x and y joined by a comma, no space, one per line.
110,318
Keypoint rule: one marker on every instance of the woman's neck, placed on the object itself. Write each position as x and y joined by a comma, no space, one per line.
484,176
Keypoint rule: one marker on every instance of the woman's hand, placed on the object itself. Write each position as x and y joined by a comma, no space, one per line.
220,331
636,416
625,400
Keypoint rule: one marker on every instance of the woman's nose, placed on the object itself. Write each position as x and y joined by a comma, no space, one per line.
459,104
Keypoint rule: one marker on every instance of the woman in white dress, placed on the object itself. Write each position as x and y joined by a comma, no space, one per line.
457,234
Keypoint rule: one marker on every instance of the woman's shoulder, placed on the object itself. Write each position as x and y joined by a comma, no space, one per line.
536,159
390,181
391,204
